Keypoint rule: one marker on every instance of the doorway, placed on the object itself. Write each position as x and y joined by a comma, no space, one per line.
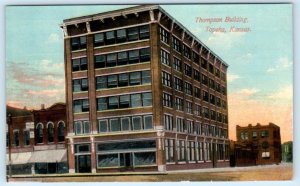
83,163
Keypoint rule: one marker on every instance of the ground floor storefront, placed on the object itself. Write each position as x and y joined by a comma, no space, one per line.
145,152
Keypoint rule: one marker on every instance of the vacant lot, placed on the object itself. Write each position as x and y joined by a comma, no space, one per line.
269,172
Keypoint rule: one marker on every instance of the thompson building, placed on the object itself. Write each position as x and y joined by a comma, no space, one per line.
142,94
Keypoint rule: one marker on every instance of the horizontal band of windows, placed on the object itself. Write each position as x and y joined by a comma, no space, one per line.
132,123
122,58
124,109
121,44
123,80
124,101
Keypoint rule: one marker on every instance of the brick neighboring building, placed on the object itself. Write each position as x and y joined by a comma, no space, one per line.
263,142
37,140
142,93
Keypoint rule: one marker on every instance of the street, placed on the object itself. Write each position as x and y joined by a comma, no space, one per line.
266,172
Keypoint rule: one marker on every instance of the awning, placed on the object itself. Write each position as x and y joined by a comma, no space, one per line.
48,156
18,158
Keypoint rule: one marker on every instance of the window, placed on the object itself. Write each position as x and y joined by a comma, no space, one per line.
135,78
218,87
264,133
190,126
197,75
254,134
80,85
26,135
136,100
133,34
164,57
181,150
61,132
211,83
81,127
147,99
179,124
203,63
39,133
166,79
122,58
188,70
177,64
99,39
205,96
223,90
218,101
124,101
144,32
123,80
148,122
168,122
186,51
121,36
146,77
78,43
179,104
79,64
212,99
213,115
113,102
100,61
133,56
189,107
169,149
205,112
167,100
204,80
81,105
102,126
217,72
114,125
125,122
197,110
136,123
178,83
102,104
145,54
107,160
196,57
219,117
16,138
211,68
188,88
111,60
200,151
164,35
110,38
176,44
112,81
197,92
50,132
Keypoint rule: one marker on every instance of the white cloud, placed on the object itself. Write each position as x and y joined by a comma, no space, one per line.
53,38
283,63
285,93
232,77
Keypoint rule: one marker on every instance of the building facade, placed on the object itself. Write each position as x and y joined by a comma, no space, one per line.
263,140
37,140
142,93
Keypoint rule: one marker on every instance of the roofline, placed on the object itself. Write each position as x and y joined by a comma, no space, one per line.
130,10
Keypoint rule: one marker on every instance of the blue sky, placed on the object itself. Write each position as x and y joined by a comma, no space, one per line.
260,62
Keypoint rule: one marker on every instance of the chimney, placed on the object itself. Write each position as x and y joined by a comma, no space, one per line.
42,106
25,108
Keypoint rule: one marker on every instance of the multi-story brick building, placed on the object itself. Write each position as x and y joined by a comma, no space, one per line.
263,140
142,93
37,140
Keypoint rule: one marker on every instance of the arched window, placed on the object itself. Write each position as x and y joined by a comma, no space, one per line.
50,132
39,133
61,131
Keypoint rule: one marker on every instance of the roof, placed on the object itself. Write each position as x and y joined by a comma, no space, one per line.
134,9
13,111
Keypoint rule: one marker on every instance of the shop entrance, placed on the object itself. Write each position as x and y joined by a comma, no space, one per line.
83,163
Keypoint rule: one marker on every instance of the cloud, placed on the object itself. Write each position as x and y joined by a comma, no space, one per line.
224,40
53,38
283,63
285,93
14,103
232,77
45,93
247,91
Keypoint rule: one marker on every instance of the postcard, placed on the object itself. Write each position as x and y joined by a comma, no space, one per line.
189,92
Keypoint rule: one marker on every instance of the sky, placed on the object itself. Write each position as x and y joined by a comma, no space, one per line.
260,73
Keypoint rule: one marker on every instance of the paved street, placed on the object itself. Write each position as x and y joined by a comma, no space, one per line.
269,172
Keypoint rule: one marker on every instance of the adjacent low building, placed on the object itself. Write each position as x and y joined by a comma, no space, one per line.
261,142
142,93
37,140
287,151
